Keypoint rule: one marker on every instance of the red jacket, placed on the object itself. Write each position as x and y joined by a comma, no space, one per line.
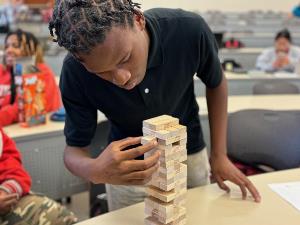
13,177
9,112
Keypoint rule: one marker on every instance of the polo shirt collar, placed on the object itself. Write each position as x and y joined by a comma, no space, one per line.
155,55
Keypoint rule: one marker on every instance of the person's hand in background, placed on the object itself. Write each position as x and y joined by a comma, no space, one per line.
7,202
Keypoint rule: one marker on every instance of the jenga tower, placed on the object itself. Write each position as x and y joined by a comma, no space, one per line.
167,189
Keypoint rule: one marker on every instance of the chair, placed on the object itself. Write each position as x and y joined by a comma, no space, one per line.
274,87
265,138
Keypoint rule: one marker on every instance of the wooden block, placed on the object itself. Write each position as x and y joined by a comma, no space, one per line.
160,123
160,208
180,127
150,153
183,158
166,166
178,219
164,133
181,184
166,187
161,195
158,118
165,219
167,176
147,139
180,200
172,139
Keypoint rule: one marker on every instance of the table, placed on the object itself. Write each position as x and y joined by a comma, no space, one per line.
245,56
242,84
242,102
209,205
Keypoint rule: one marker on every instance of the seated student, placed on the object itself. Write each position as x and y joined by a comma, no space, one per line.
18,44
17,204
282,57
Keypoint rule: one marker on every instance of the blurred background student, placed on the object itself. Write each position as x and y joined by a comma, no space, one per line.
19,44
282,57
17,204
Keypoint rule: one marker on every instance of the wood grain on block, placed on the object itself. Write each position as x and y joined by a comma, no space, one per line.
165,196
147,139
160,123
162,134
172,139
164,208
150,153
179,218
160,216
167,166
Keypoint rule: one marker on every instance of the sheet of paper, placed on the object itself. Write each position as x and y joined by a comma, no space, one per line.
289,192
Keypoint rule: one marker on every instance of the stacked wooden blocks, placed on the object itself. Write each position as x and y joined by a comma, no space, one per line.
167,189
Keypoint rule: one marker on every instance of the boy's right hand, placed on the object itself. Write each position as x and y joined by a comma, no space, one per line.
118,166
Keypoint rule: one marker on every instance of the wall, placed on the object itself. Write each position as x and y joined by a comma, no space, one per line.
223,5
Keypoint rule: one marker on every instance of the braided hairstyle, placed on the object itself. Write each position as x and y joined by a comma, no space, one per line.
79,25
29,46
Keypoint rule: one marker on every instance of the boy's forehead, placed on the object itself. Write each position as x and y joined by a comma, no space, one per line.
104,55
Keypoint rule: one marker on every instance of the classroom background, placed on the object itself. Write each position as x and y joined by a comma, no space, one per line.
264,105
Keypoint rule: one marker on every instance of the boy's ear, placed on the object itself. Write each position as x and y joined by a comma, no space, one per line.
140,21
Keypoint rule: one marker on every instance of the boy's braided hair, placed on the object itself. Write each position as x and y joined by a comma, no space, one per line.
79,25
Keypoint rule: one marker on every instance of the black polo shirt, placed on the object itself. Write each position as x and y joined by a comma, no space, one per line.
181,44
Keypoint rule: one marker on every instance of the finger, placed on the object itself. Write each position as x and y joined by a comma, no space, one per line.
124,143
8,197
139,182
254,192
221,184
138,165
140,150
142,175
242,182
243,189
10,202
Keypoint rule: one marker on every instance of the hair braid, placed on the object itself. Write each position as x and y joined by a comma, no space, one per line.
79,25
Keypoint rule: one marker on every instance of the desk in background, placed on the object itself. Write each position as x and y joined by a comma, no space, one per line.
42,152
245,56
210,205
242,84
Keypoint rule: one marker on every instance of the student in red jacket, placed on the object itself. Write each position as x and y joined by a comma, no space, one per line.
17,204
18,44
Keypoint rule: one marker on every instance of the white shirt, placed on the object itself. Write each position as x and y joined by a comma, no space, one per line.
268,57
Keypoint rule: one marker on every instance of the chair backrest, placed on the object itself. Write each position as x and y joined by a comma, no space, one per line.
265,137
275,87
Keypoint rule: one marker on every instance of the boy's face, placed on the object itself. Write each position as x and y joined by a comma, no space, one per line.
122,58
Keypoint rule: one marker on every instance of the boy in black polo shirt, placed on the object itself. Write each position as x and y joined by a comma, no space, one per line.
134,66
